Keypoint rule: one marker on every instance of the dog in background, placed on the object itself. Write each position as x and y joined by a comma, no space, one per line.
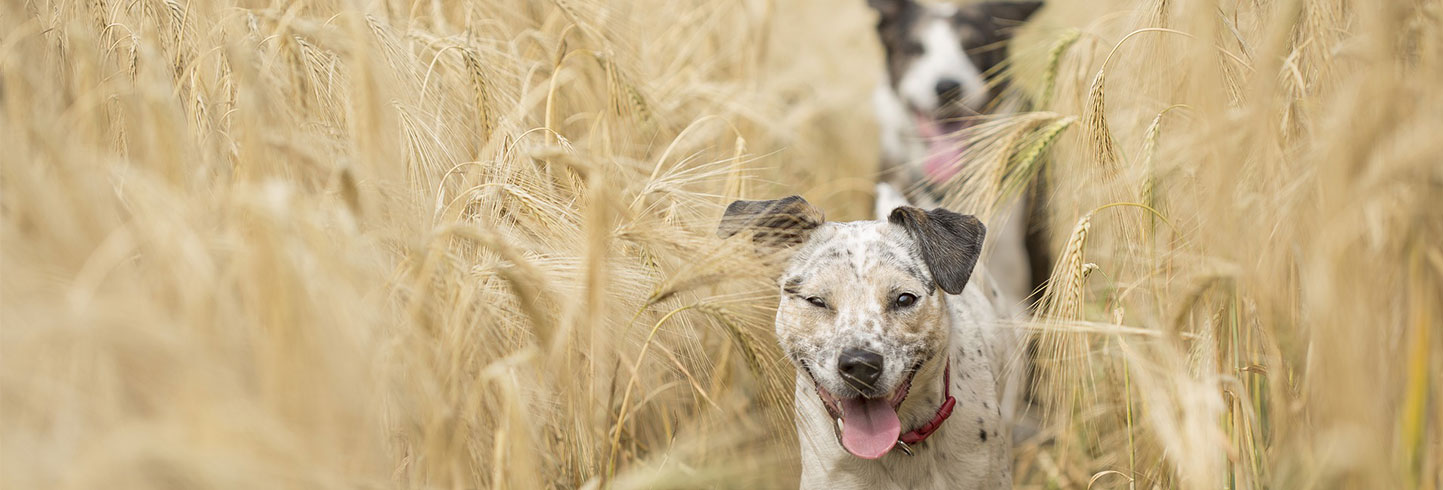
942,63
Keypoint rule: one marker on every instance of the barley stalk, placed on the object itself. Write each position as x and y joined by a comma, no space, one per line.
1054,63
1149,157
1094,122
1028,162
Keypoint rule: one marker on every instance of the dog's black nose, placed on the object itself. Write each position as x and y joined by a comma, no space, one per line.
860,369
948,90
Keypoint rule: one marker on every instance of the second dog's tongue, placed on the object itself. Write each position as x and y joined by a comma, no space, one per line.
869,426
944,150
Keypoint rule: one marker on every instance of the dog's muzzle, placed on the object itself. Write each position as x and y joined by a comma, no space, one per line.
874,427
860,369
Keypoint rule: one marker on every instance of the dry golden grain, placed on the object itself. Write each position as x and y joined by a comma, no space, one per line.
412,244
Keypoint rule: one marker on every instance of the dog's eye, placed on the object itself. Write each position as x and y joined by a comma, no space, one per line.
905,299
912,48
817,302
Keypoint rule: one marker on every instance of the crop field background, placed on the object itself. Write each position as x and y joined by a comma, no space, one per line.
470,244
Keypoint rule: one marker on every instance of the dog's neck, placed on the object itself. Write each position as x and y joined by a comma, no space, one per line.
925,395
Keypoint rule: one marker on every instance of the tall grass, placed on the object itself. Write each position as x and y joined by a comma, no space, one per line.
1249,294
411,244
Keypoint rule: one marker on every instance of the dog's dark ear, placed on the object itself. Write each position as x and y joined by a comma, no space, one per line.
777,223
950,242
889,9
1009,14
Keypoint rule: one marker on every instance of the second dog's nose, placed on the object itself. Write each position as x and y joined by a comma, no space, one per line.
948,90
860,368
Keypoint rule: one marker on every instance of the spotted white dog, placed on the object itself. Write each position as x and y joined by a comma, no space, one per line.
898,347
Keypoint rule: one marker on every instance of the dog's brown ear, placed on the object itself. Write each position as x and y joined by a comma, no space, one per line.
950,242
777,223
1009,14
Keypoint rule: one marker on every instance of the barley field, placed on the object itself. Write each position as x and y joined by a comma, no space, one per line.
470,244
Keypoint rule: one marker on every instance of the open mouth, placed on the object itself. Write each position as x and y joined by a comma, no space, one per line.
867,427
944,145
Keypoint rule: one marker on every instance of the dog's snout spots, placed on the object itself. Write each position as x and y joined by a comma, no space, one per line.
948,90
860,368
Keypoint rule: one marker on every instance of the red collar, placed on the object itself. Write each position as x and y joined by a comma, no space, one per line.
921,433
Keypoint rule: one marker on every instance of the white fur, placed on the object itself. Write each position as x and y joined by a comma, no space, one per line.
1006,251
900,142
953,457
978,344
888,198
942,59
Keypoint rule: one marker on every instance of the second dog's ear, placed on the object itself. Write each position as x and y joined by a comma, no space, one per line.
777,223
1010,14
888,9
950,243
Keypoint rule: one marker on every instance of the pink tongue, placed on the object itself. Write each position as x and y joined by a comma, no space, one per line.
869,427
944,151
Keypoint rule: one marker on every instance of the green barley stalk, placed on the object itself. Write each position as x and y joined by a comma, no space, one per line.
1054,63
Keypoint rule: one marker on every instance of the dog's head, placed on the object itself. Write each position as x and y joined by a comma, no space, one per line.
863,303
939,57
